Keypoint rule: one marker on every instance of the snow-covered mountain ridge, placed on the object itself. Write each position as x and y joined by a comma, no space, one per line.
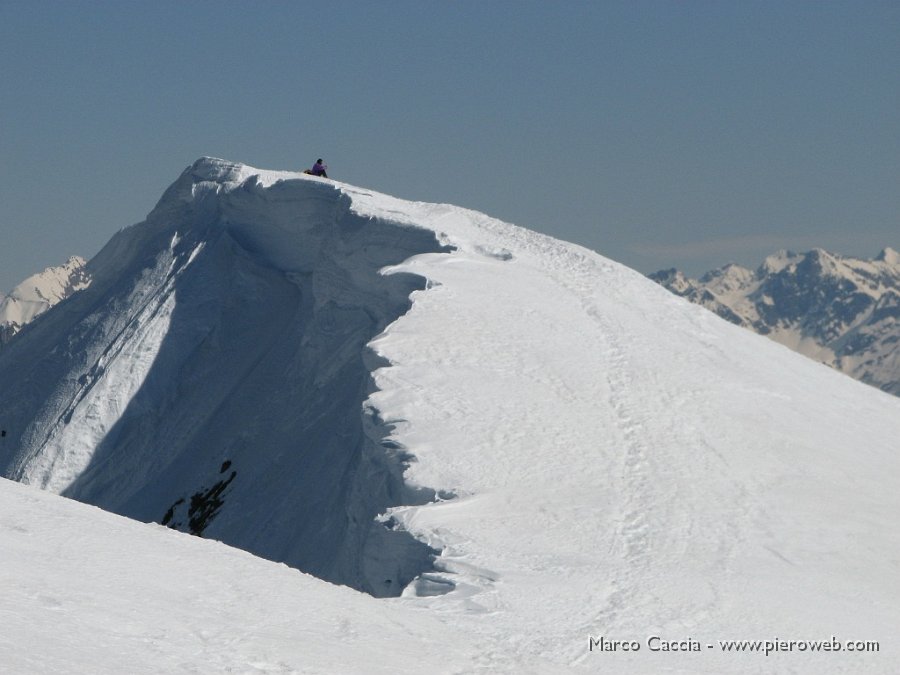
213,375
287,363
38,293
839,310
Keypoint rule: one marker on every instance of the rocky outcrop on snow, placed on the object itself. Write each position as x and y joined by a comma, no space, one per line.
839,310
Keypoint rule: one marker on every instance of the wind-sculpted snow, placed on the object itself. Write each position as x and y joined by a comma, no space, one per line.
230,327
590,458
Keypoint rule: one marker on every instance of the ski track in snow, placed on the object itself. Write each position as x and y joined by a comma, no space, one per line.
677,513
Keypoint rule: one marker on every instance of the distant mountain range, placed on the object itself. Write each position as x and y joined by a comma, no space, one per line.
842,311
38,293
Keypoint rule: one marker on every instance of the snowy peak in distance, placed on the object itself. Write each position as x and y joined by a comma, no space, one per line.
840,310
889,256
38,293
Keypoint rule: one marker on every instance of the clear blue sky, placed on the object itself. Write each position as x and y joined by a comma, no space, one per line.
660,134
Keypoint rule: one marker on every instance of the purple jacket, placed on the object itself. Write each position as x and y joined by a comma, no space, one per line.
319,169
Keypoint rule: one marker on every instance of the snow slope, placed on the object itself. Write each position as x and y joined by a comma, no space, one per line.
85,591
605,458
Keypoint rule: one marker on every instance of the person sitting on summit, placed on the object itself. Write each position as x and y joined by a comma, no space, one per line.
319,169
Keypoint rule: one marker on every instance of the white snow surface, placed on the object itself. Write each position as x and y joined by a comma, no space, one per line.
86,591
613,461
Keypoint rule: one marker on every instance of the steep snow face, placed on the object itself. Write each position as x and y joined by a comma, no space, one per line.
38,293
838,310
213,375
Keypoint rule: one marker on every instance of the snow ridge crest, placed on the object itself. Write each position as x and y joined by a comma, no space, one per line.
230,329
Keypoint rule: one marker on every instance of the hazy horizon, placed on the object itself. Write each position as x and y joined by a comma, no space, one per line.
659,134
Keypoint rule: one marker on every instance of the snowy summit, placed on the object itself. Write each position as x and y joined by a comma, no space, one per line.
534,458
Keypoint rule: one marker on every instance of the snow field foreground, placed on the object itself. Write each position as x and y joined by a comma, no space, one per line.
86,591
608,460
